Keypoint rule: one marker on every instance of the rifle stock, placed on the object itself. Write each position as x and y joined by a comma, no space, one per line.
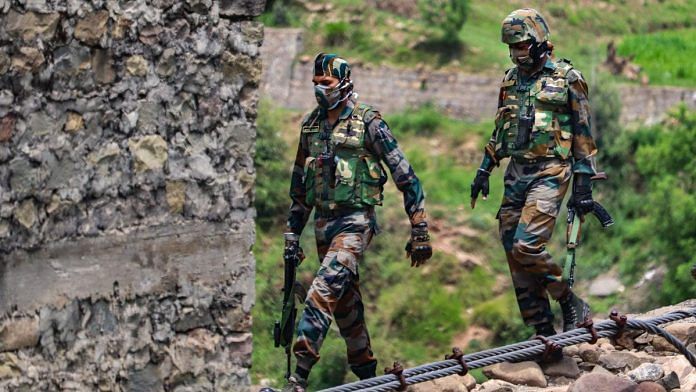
602,215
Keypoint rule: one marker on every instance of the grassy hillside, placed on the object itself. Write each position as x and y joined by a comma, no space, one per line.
580,31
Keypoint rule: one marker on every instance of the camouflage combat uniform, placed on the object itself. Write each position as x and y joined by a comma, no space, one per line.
344,197
538,175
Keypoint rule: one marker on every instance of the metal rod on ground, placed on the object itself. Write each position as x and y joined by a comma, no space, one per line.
519,352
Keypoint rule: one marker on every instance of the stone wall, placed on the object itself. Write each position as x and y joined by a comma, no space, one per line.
468,96
126,189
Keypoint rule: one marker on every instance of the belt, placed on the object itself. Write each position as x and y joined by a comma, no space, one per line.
337,213
526,161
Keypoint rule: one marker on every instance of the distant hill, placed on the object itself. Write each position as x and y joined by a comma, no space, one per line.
660,34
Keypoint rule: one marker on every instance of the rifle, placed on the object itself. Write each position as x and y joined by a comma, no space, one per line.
573,232
284,330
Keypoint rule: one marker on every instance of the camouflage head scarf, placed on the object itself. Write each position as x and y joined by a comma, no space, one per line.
329,64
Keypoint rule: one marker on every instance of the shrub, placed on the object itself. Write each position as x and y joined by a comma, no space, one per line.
447,15
336,33
423,121
502,316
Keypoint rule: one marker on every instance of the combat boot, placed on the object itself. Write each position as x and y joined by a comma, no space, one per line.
575,311
545,329
365,371
295,384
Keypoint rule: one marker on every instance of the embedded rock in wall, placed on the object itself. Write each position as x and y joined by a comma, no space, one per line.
126,190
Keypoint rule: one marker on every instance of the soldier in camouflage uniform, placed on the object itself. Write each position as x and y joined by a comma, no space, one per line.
338,172
543,125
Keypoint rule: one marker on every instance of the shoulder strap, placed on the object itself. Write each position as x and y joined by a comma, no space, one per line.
310,118
366,112
563,66
510,78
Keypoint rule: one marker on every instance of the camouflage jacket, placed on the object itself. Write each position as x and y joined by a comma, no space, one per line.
380,142
561,123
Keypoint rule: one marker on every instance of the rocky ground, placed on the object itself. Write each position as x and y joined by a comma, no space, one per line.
639,362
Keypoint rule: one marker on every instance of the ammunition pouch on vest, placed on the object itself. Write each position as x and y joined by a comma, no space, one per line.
347,175
549,133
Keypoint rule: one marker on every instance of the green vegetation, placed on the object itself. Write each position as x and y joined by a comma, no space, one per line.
666,165
271,200
415,315
662,55
447,15
659,33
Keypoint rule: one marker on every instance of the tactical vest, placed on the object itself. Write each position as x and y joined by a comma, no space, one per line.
551,135
340,173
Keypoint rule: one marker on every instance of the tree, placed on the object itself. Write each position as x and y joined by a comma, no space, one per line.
448,16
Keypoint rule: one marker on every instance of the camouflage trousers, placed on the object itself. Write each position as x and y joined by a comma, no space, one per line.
533,196
335,291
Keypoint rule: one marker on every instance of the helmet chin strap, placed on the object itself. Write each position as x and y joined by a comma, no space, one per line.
536,53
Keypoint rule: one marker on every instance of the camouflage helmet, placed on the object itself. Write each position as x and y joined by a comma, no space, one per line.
523,25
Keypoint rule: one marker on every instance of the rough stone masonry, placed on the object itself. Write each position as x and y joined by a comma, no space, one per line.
126,189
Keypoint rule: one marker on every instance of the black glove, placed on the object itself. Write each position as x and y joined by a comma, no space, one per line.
480,184
418,246
292,247
581,200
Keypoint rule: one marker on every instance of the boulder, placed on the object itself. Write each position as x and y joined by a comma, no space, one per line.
679,365
650,386
31,25
605,285
19,333
92,27
670,381
496,386
27,60
597,382
74,123
7,127
521,373
566,367
446,384
617,360
137,65
685,332
646,372
102,66
600,370
571,351
176,196
589,352
149,152
26,214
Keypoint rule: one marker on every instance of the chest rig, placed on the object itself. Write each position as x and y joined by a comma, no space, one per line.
340,173
534,121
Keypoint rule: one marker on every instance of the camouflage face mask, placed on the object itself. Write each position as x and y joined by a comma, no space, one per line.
330,97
